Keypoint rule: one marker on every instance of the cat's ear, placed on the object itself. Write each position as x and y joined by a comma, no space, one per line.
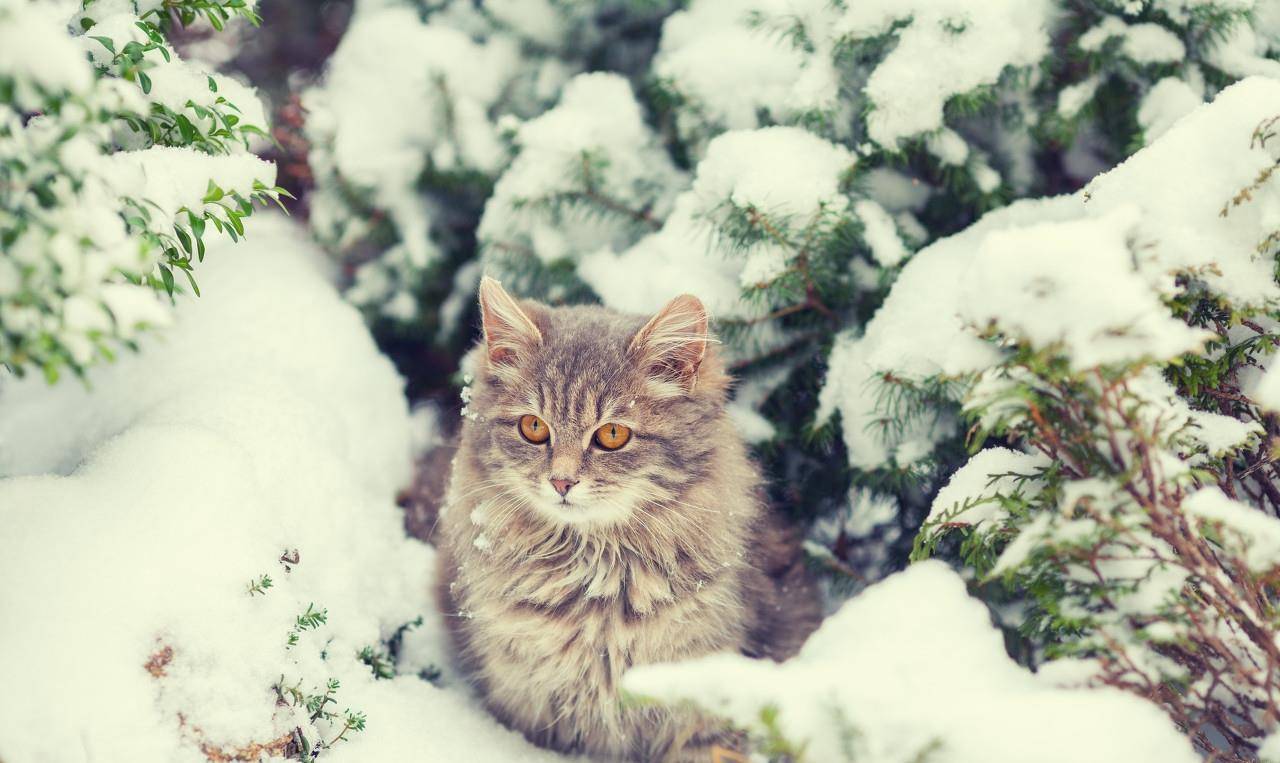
508,330
674,342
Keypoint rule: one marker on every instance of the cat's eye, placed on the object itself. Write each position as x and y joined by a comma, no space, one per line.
534,429
612,436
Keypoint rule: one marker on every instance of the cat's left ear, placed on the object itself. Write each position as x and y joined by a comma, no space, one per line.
508,330
674,342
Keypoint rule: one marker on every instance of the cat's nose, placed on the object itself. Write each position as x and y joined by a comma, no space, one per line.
562,486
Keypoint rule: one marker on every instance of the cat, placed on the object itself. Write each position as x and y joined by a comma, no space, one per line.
603,512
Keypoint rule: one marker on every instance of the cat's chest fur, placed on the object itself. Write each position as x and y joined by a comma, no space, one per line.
564,603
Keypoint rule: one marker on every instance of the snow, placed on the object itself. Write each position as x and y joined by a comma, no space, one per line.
375,140
748,395
681,257
1209,150
786,173
1142,43
1266,393
1243,54
175,84
894,190
401,95
1073,98
1269,752
35,48
873,437
946,48
144,501
1030,269
947,145
1024,282
177,178
1165,103
973,493
911,665
1221,434
880,233
597,116
1257,531
732,72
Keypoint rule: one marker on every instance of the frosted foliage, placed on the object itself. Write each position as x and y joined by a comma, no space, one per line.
37,52
91,221
1142,43
374,141
401,96
874,437
1209,150
1023,270
785,171
1244,53
881,682
972,495
789,173
176,179
732,70
596,134
1257,532
948,47
299,441
1039,283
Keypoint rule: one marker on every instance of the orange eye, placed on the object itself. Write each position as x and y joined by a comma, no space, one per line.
612,436
534,429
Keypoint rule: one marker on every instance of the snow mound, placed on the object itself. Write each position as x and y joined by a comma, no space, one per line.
138,508
912,669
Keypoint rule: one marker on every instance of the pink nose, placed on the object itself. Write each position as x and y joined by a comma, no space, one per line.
562,486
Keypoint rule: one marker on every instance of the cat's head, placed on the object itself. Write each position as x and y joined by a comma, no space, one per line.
592,417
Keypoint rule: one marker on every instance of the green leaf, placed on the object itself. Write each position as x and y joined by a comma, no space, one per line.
214,193
183,238
106,42
191,279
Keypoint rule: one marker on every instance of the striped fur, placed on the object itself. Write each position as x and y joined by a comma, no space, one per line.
664,551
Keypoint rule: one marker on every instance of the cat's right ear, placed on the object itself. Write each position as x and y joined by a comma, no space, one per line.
508,330
674,342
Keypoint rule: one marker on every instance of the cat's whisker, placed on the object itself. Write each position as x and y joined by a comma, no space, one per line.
662,521
695,507
478,487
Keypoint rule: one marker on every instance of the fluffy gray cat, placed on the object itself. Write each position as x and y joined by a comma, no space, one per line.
602,513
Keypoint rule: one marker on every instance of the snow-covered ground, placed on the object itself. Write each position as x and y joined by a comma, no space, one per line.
137,508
